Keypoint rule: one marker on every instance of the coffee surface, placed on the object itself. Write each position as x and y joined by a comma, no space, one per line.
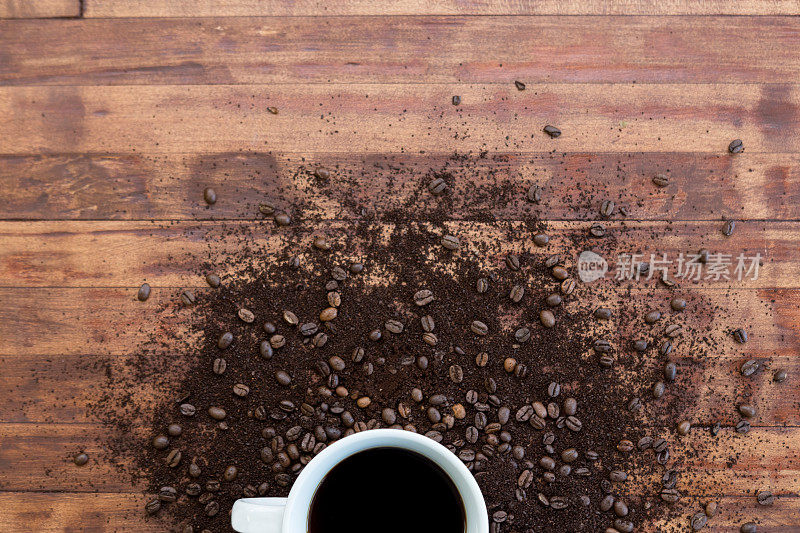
386,489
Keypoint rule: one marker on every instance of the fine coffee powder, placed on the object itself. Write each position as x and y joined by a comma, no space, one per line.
386,489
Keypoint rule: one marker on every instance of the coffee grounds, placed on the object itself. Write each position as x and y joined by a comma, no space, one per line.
398,261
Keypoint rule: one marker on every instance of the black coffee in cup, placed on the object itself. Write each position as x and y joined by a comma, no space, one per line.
386,490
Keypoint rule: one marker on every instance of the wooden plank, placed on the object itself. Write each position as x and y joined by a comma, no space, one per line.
124,254
400,118
38,457
71,388
138,186
401,50
35,9
189,8
59,347
107,512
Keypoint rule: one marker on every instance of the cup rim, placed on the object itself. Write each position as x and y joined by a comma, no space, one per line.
306,484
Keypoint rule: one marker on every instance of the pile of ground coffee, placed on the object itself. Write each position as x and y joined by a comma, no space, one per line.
502,358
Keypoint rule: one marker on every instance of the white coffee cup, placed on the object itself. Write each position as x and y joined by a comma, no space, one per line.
290,515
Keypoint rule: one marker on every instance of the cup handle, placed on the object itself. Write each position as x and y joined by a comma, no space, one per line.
258,515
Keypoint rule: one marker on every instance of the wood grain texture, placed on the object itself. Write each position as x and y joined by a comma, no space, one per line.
189,8
400,118
35,9
493,186
38,458
59,347
495,50
106,512
122,254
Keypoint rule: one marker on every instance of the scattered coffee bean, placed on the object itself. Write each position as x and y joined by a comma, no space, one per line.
661,180
765,497
552,131
456,100
210,196
144,292
779,376
736,146
80,459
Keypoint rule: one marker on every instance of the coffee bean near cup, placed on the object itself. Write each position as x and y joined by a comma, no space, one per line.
377,480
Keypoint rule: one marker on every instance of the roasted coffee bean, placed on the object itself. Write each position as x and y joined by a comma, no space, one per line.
607,208
80,459
623,526
225,340
512,262
607,503
743,426
617,476
740,335
522,335
644,443
699,521
568,286
635,404
144,292
749,527
246,315
534,194
516,294
266,209
451,242
423,297
541,239
217,413
765,497
569,455
673,330
736,146
779,376
711,509
167,494
283,378
625,446
570,406
187,409
573,423
661,180
210,196
728,227
174,458
428,323
220,365
684,427
437,186
188,298
479,328
602,346
640,345
456,100
547,318
212,508
652,317
670,495
482,285
597,230
620,509
160,442
153,506
747,410
552,131
658,389
283,219
456,374
749,367
678,304
670,371
560,273
553,389
241,390
602,313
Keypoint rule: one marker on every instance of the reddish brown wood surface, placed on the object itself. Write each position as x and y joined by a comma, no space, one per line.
495,50
113,124
39,9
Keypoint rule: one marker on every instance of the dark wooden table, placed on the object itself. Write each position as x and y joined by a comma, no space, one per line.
115,114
